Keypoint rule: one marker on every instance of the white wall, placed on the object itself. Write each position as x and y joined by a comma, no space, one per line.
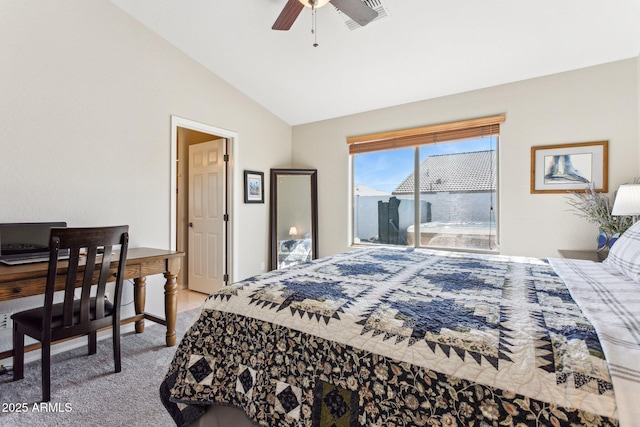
591,104
86,96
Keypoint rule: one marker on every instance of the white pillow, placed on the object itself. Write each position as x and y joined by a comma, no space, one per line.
624,255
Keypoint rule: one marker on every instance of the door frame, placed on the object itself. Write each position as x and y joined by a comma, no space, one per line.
231,176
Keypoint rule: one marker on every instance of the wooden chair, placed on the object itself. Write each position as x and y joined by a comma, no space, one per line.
90,254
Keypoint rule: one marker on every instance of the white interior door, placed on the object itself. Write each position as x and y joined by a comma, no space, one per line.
206,216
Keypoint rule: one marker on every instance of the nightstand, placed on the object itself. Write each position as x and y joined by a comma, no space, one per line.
589,255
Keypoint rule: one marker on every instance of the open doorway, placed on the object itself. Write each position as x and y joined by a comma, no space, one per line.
201,206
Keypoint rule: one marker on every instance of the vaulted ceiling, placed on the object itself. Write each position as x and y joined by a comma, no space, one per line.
422,49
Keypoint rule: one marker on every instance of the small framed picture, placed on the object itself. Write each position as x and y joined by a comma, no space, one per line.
253,187
570,167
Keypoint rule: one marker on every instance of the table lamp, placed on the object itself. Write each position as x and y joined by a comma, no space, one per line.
627,201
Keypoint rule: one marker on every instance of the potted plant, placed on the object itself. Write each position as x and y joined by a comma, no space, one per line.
596,208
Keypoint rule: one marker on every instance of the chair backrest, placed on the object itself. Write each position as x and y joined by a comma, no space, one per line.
91,251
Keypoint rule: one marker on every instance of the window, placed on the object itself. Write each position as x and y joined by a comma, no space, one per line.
451,205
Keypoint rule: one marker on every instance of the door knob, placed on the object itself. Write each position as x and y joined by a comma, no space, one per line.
190,224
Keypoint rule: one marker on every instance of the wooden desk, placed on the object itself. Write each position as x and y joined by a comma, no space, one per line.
20,281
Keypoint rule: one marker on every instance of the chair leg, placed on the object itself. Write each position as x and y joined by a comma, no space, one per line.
18,353
46,371
116,346
93,342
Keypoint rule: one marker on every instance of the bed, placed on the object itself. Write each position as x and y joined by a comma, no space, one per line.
404,337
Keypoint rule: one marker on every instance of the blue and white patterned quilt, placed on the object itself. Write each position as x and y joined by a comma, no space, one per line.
396,337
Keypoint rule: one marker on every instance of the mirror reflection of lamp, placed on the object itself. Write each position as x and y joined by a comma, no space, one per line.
293,231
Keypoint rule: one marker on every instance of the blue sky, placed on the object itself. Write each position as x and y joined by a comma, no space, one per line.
384,170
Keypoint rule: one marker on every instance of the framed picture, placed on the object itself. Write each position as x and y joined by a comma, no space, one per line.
570,167
253,187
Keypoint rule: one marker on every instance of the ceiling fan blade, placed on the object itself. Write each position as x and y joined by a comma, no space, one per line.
288,15
356,10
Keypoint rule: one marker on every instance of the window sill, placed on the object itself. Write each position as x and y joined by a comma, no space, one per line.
433,248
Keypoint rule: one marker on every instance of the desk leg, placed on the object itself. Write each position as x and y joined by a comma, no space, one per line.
171,306
139,297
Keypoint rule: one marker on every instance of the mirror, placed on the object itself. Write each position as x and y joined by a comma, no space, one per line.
294,217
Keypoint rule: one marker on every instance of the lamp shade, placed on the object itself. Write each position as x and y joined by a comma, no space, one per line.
293,231
627,200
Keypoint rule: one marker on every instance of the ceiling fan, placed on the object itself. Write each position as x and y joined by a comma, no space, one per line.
354,9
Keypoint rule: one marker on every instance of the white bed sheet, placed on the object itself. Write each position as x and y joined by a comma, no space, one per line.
611,302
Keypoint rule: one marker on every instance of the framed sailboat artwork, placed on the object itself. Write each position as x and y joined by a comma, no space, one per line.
569,167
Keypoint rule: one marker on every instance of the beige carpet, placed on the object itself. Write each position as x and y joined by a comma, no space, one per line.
86,392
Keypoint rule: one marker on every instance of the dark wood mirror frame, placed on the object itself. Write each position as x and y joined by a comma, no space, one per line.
273,216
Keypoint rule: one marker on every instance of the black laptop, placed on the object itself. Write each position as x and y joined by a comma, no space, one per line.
26,242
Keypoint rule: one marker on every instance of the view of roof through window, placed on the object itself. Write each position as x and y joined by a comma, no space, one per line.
457,193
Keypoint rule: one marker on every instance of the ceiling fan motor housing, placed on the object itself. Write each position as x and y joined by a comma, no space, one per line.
314,3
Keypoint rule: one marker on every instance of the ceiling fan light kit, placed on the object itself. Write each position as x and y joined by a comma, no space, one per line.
314,3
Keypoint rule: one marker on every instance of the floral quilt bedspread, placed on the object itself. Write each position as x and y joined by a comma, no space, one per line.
395,337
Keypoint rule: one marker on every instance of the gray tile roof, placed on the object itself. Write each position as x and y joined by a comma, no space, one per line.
454,172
